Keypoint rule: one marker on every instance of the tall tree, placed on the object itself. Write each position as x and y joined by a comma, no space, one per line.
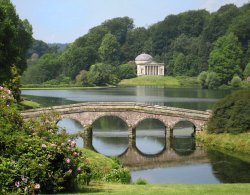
225,58
15,39
109,50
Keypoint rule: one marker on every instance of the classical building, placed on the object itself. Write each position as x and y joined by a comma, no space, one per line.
146,66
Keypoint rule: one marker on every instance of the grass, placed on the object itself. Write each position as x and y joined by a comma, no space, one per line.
167,81
100,164
169,189
235,145
29,104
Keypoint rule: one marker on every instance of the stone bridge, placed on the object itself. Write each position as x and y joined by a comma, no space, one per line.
130,112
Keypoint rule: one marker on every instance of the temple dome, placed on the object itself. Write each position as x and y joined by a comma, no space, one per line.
143,59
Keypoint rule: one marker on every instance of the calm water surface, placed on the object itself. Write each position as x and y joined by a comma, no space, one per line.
153,157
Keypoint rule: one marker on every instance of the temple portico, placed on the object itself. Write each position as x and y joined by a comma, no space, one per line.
146,66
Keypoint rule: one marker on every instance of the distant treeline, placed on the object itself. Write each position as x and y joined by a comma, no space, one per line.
188,43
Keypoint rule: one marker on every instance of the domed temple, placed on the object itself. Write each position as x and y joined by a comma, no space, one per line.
146,66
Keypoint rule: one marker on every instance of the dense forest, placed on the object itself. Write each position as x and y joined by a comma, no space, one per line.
215,46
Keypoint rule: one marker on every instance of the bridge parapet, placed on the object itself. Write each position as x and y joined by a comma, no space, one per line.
121,107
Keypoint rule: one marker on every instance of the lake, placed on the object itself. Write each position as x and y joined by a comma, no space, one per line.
153,157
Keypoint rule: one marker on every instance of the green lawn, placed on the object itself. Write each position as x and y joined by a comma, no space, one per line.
167,81
168,189
29,104
234,145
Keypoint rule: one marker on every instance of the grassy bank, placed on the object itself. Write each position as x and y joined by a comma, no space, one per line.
234,145
119,189
167,81
26,104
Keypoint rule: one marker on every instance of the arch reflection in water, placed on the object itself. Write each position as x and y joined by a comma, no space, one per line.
110,135
72,127
183,141
150,136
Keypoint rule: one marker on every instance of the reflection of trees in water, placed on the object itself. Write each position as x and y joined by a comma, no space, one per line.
150,124
110,123
229,169
183,129
70,125
183,145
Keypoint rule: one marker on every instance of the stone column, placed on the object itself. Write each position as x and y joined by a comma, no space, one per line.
88,137
131,136
157,68
169,136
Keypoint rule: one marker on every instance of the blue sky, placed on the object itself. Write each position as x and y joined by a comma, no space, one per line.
62,21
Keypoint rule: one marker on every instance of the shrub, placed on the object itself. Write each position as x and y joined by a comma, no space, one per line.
231,114
247,70
141,181
236,81
202,79
34,157
212,80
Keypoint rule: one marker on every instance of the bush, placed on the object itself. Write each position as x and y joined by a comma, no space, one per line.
118,173
231,114
202,79
247,70
212,80
34,157
141,181
236,81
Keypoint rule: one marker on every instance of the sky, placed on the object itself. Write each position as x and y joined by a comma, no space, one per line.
63,21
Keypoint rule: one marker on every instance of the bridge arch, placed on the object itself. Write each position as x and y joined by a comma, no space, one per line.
182,123
98,116
110,135
150,136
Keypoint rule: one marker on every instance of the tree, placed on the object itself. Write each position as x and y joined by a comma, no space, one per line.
75,59
44,69
231,114
126,71
212,80
83,78
102,74
236,81
247,71
15,39
225,58
219,22
135,42
202,79
109,50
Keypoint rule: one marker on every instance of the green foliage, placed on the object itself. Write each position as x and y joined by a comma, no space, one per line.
208,80
202,79
75,59
15,39
34,156
102,74
109,50
118,174
127,71
141,181
231,114
225,58
212,80
83,78
45,68
236,81
247,70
